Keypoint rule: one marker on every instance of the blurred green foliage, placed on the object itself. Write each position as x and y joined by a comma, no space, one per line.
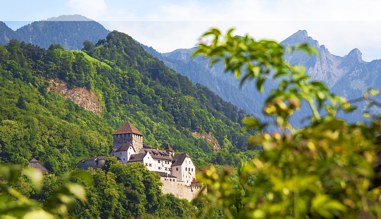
324,170
16,182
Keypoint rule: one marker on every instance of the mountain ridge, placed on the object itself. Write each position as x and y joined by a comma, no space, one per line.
333,70
329,68
70,31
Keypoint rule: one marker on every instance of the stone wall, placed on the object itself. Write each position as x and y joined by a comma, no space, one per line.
179,189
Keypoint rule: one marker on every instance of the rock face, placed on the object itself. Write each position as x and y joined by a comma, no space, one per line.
209,138
348,76
324,67
70,31
83,97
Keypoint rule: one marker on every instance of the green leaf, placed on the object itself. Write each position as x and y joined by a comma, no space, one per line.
250,122
77,190
255,70
259,84
237,73
84,176
299,69
35,176
325,206
213,31
10,173
307,48
230,32
374,92
38,214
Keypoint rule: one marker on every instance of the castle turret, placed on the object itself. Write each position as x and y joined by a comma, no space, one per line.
128,135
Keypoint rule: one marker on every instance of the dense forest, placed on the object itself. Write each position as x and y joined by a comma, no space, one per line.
130,85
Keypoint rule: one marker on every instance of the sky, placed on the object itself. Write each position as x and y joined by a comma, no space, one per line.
166,25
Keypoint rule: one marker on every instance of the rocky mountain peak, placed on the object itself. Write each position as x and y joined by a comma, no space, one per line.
301,36
354,56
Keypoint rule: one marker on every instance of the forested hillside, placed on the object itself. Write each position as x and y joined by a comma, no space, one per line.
129,84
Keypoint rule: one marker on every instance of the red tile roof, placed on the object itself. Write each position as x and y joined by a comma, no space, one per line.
127,128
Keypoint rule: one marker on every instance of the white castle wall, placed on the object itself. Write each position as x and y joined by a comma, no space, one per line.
179,189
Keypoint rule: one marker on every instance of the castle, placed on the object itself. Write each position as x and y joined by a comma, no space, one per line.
177,171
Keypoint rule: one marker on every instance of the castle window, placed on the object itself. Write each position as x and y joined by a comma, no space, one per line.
186,169
158,161
177,169
159,168
150,164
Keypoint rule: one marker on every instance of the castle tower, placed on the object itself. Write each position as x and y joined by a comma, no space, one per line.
128,135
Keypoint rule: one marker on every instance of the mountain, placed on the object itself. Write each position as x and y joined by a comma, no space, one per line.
199,71
337,72
325,67
69,31
6,33
61,106
348,76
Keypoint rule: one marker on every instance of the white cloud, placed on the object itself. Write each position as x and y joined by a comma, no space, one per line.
90,8
169,24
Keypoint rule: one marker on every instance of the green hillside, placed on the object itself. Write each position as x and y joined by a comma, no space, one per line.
129,85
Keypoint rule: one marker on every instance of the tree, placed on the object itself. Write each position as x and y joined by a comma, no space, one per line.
88,45
324,170
141,187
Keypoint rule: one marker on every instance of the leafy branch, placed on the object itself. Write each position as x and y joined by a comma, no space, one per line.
324,170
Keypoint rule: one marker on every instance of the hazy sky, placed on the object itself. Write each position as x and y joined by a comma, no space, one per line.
341,25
